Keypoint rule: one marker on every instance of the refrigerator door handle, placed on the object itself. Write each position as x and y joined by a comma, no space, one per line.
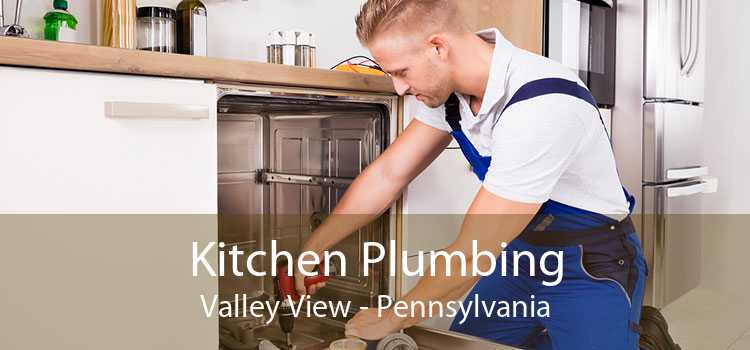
692,26
704,185
696,35
683,191
684,41
686,173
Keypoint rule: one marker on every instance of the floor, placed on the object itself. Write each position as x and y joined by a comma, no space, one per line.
702,319
743,343
705,319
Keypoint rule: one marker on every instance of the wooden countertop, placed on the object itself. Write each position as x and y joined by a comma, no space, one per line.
90,58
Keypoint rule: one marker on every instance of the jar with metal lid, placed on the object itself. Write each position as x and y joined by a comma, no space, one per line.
280,46
288,46
291,47
313,52
156,29
274,47
303,50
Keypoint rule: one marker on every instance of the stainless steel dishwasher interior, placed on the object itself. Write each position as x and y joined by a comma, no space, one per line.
283,164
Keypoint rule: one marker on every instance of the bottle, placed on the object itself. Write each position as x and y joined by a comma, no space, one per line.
59,24
192,28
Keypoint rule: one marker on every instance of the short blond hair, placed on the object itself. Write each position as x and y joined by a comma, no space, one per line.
378,15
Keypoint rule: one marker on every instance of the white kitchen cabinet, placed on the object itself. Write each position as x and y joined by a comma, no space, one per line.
100,143
435,202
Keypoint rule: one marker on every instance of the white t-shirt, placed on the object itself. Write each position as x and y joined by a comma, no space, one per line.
550,147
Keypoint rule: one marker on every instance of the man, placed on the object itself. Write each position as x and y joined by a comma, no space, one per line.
532,133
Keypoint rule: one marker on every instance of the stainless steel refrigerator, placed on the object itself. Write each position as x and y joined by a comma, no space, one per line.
674,173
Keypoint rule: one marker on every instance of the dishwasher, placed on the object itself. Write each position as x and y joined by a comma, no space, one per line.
285,158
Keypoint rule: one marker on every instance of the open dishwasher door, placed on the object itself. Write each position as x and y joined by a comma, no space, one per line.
286,157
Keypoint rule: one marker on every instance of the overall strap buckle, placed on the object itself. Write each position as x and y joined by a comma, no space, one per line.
453,112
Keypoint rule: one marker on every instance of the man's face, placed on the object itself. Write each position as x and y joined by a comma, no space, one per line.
414,65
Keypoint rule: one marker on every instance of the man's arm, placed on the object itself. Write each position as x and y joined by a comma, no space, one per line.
373,191
490,220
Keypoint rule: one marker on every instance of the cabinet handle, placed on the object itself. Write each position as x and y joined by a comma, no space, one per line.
140,110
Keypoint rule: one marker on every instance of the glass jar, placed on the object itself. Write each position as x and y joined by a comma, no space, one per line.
288,46
156,29
302,50
117,23
274,47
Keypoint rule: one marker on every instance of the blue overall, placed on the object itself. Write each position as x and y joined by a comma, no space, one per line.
597,303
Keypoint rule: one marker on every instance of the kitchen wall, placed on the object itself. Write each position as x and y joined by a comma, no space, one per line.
727,147
33,11
237,29
241,29
714,316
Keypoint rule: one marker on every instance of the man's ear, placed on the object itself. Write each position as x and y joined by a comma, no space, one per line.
439,45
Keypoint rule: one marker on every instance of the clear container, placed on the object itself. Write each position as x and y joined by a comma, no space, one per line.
156,29
302,49
313,52
288,46
117,23
274,48
291,47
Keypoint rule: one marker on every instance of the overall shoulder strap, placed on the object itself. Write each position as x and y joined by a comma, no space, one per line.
528,91
453,112
548,86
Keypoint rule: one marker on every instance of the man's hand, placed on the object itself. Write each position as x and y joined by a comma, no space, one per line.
367,325
299,282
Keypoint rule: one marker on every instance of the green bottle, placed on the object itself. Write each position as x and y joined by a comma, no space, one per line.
59,24
192,28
